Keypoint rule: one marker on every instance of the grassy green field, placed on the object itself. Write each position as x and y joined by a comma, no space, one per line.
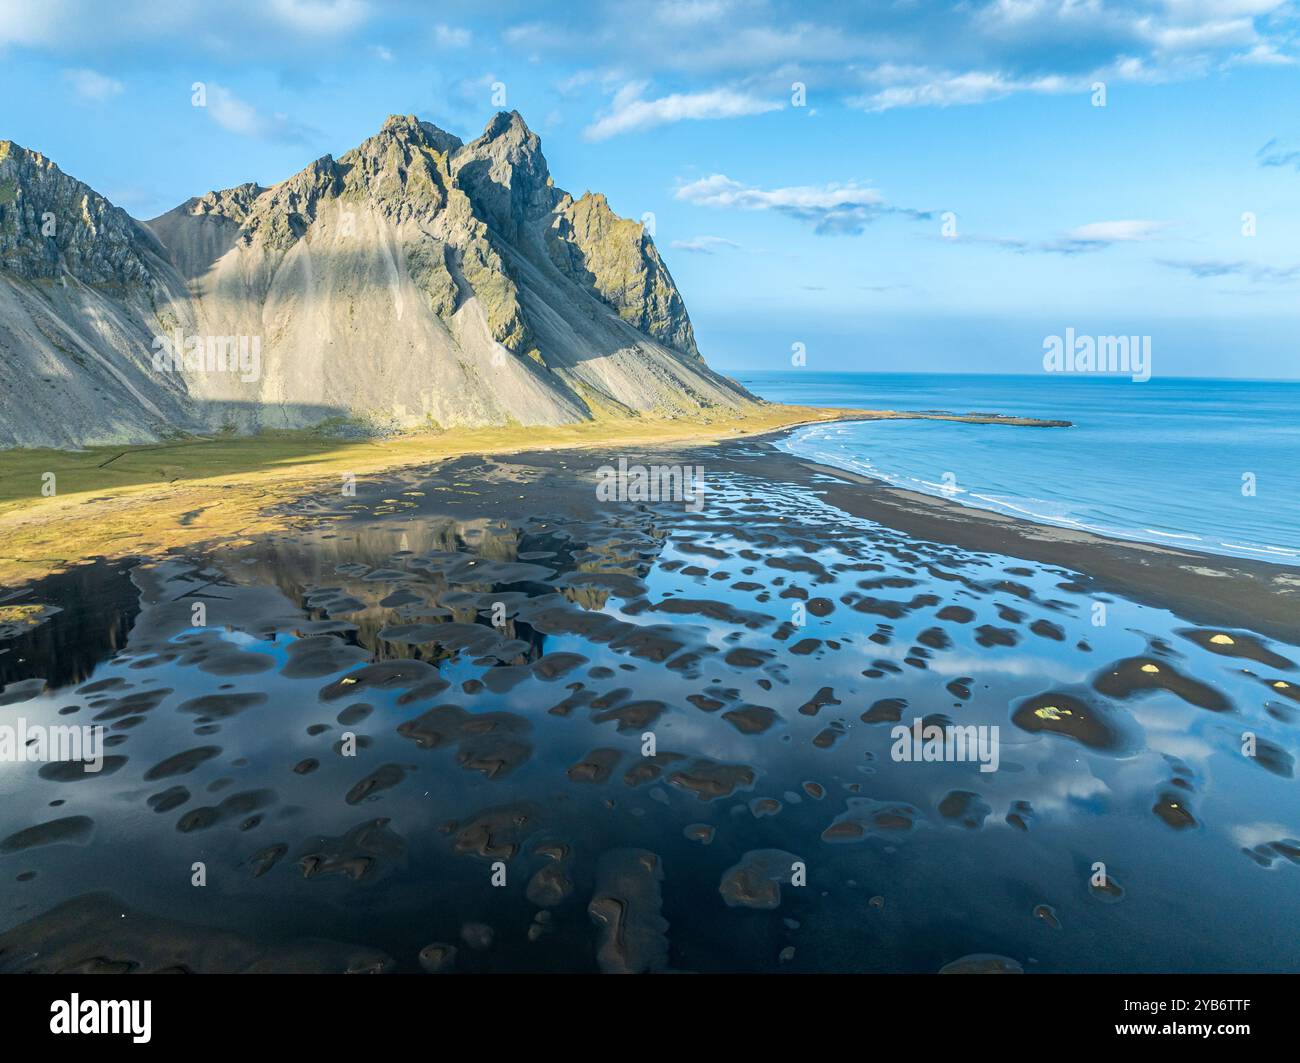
106,470
124,501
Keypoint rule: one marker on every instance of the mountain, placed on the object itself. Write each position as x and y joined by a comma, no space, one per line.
414,282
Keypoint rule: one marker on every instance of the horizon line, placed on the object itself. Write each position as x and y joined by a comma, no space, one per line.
1026,376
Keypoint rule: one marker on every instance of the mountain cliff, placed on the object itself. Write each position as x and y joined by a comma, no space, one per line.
414,282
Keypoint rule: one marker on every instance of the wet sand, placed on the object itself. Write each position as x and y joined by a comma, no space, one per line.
1204,588
476,718
1201,587
115,502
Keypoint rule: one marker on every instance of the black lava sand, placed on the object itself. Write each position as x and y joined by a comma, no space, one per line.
474,718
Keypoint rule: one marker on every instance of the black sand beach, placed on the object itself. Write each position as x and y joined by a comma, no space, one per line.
1202,588
477,718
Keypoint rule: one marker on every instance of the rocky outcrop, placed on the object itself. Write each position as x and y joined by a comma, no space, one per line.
615,257
83,290
52,224
414,282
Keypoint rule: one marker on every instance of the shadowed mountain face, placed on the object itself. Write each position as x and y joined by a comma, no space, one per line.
414,282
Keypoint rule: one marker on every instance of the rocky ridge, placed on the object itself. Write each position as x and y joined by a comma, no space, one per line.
414,282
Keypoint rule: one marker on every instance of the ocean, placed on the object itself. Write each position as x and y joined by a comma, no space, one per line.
1210,465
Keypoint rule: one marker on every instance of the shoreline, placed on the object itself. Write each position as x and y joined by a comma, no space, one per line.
153,519
132,500
1203,543
621,617
1203,588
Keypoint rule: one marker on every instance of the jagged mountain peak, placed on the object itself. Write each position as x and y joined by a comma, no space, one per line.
409,127
506,175
8,147
52,225
508,125
413,281
408,167
233,203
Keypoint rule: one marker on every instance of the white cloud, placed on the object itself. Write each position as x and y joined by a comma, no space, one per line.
691,13
451,36
321,16
92,86
538,38
1212,9
961,53
238,116
1095,236
382,53
1114,232
832,209
1262,55
924,88
606,80
244,28
1204,35
29,24
1255,272
232,113
630,112
718,190
705,245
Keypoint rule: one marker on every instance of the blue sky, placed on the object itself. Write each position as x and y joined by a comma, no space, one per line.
821,223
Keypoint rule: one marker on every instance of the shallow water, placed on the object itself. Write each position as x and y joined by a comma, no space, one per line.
522,743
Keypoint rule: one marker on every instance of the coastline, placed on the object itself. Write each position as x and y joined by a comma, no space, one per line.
121,501
233,509
623,616
1202,587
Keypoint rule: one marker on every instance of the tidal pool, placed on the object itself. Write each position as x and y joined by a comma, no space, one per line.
412,734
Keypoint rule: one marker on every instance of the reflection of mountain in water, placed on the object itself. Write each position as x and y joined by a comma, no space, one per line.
774,745
381,581
384,580
97,606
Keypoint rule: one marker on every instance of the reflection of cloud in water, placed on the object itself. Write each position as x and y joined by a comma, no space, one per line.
365,623
1249,835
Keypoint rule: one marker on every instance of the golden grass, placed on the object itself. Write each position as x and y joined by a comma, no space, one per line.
120,501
